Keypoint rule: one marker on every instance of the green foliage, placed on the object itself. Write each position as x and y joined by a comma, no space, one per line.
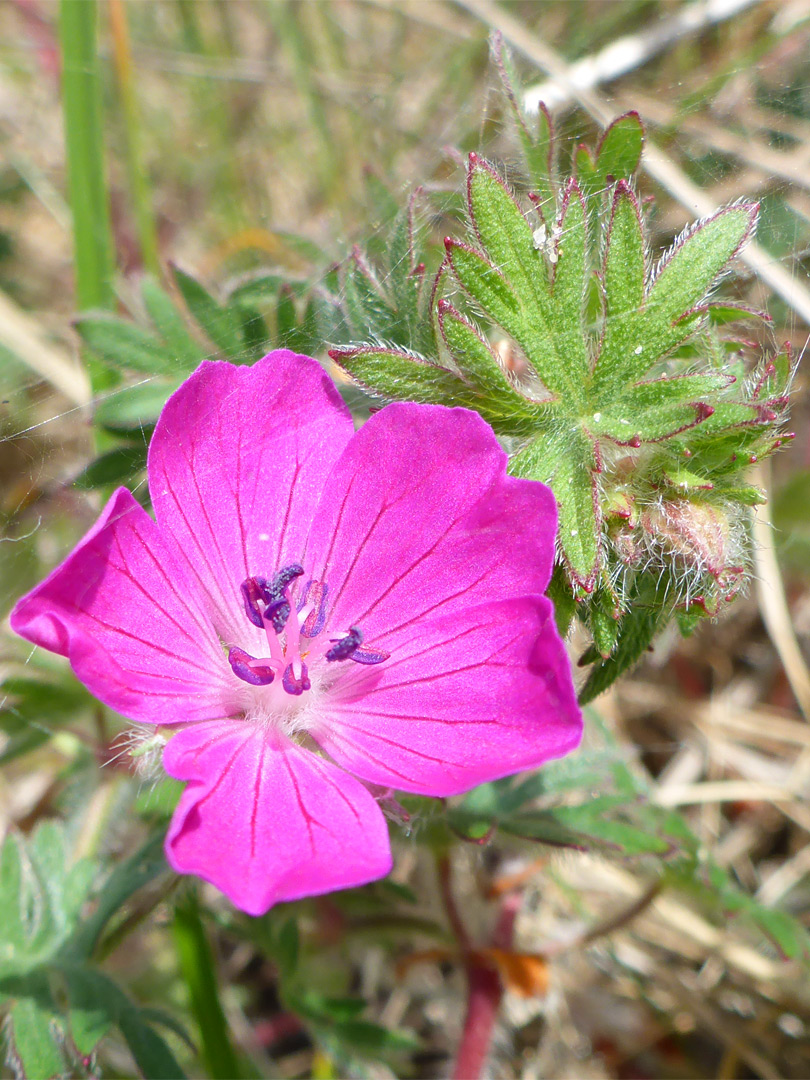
32,709
631,404
597,801
59,1005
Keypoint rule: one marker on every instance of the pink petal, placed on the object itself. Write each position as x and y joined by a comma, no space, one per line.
464,699
265,820
419,519
120,608
236,465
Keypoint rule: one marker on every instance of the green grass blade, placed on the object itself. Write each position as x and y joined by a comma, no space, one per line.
197,965
81,92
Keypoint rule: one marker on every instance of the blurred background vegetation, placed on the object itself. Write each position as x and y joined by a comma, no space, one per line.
252,144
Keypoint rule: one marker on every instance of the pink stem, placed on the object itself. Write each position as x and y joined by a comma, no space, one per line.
484,988
483,1002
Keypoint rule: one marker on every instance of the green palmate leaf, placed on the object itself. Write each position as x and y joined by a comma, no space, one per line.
565,461
171,326
123,344
220,323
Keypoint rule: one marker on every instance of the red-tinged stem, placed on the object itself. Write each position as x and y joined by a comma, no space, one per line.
484,988
483,1002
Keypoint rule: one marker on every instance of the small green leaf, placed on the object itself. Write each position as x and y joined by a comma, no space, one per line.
604,623
486,285
366,305
286,316
123,344
33,1027
618,153
255,337
132,408
219,323
318,1007
171,325
504,232
624,273
565,462
257,289
125,879
569,285
685,480
732,414
115,467
398,376
92,1007
537,141
674,390
632,427
365,1037
646,613
96,1003
500,403
696,261
288,948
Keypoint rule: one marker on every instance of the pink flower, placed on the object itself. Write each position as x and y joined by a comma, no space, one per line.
313,611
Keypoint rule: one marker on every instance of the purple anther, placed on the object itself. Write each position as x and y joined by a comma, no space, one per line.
277,612
248,668
284,578
363,655
293,685
345,646
254,590
315,594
